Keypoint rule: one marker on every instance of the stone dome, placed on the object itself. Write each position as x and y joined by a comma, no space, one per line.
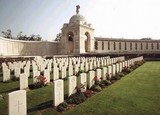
77,18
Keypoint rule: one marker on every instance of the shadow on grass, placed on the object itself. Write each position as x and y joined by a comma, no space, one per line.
42,106
10,90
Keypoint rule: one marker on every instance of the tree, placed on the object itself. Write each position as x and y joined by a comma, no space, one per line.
38,37
20,36
7,34
58,37
146,38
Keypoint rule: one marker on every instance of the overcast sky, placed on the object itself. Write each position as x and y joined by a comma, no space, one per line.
133,19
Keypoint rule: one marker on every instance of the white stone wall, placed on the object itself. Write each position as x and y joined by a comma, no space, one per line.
9,47
113,46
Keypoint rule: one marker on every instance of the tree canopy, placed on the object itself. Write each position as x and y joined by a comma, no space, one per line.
20,36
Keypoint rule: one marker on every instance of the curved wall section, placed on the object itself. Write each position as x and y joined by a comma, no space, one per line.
9,47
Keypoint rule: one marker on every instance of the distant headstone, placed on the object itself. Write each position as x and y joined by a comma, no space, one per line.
86,67
55,73
70,70
98,63
90,65
76,69
109,71
125,64
17,72
47,75
27,71
82,66
1,97
36,75
17,103
58,92
113,69
120,67
99,74
11,67
117,67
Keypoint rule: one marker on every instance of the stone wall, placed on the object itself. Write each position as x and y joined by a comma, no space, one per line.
108,45
10,47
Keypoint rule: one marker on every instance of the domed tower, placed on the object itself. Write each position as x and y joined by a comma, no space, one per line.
77,35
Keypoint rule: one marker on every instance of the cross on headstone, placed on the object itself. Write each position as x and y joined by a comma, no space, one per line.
18,105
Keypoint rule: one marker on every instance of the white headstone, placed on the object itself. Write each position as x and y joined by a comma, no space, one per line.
109,71
90,65
72,83
83,81
117,67
23,81
35,68
17,72
120,67
55,73
27,71
11,67
82,66
76,69
94,64
58,92
63,72
125,64
91,76
6,75
86,67
17,103
47,75
104,73
98,63
113,69
99,74
36,75
70,70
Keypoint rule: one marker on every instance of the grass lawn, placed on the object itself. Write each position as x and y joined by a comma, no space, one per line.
136,93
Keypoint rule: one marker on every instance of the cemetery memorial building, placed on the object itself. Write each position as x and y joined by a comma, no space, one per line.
77,37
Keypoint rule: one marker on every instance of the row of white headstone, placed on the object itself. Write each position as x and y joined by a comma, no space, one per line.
87,79
17,99
16,67
60,67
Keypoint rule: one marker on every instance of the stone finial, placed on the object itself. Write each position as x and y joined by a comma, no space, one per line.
77,8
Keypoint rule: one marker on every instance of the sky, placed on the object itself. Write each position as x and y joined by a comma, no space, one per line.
131,19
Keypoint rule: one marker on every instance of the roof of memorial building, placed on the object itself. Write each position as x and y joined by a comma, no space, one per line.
77,17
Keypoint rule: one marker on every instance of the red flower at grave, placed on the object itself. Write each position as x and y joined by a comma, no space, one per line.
95,78
43,79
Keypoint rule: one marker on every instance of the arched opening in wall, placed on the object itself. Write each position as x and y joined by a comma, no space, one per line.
70,39
87,41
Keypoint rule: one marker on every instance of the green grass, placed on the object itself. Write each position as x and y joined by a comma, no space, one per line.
138,93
